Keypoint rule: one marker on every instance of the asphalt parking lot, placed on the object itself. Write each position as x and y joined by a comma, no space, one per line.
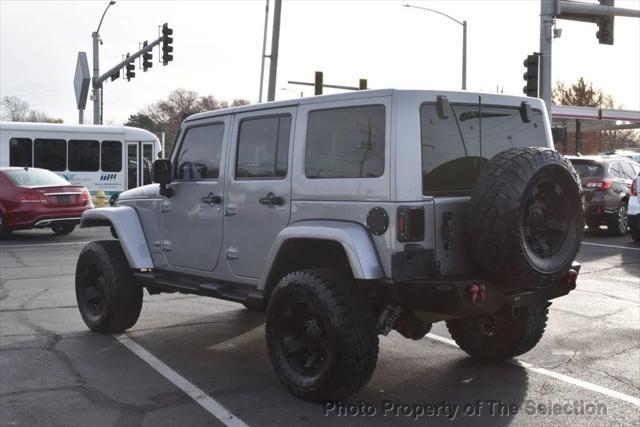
198,361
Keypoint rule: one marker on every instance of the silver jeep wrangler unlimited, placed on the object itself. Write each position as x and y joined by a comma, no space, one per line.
348,216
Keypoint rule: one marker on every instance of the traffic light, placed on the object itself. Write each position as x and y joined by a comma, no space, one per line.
146,59
362,84
532,64
166,44
317,84
605,25
131,70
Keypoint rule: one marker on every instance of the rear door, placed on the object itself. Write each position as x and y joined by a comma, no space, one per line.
192,215
258,199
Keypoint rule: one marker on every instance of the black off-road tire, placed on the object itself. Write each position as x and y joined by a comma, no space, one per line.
108,297
618,224
526,218
4,230
507,337
336,324
63,230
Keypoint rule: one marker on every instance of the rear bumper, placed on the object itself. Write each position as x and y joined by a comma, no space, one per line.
470,297
43,218
50,222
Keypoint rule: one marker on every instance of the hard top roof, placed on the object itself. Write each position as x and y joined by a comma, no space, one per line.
131,133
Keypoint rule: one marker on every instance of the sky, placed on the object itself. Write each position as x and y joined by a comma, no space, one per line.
218,47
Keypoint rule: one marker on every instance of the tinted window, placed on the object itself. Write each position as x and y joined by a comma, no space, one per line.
455,149
346,143
20,150
200,152
84,156
263,147
50,154
111,156
34,178
587,169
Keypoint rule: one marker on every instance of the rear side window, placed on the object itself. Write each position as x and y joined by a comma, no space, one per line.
200,152
50,154
587,169
111,156
84,156
629,171
263,147
616,170
346,142
456,148
20,152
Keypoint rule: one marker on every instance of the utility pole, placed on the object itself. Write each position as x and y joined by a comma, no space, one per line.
97,89
275,39
264,49
547,19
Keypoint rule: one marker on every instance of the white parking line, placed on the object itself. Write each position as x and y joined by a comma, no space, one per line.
43,244
583,384
611,246
201,398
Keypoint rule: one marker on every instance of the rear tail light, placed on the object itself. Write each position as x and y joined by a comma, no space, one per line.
32,197
85,197
599,185
410,223
634,187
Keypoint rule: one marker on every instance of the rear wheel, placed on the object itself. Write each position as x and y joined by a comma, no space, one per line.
108,297
62,230
321,335
4,231
497,338
618,225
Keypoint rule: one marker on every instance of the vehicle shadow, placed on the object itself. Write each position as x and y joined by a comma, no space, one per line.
631,262
225,355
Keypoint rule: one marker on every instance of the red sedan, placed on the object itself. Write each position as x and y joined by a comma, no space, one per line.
38,198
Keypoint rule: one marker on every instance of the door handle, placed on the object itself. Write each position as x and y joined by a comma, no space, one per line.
271,200
212,199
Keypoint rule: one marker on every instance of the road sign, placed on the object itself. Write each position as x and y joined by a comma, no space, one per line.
81,80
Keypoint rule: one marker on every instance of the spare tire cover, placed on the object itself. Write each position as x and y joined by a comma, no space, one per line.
526,218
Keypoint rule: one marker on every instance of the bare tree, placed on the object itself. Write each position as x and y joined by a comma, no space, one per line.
14,109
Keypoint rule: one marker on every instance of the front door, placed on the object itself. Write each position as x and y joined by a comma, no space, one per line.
139,162
192,215
258,201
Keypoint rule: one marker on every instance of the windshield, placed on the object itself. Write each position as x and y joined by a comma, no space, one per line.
455,149
30,177
587,169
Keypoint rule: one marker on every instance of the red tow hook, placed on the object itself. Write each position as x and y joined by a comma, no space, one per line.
477,293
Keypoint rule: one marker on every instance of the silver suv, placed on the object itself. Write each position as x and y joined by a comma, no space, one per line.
346,217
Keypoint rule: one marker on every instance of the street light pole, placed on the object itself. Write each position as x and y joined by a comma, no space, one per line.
96,85
464,40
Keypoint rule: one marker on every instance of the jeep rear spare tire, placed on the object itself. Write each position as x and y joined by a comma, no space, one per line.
321,335
526,218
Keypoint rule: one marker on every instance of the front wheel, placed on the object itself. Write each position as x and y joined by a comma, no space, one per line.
108,297
63,230
321,335
495,338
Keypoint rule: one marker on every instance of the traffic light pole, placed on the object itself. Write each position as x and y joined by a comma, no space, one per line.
94,80
574,11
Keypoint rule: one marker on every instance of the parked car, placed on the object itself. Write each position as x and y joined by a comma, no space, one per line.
38,198
346,217
630,153
634,210
606,182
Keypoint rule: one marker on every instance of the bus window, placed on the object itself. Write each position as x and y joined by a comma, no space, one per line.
147,163
111,156
84,156
20,152
50,154
132,165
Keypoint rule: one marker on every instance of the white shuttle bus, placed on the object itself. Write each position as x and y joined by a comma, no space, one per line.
107,158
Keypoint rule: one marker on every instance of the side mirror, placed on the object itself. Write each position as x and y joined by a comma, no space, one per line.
161,174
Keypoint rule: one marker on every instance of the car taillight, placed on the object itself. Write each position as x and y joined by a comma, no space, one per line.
599,185
634,187
410,223
85,197
32,197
